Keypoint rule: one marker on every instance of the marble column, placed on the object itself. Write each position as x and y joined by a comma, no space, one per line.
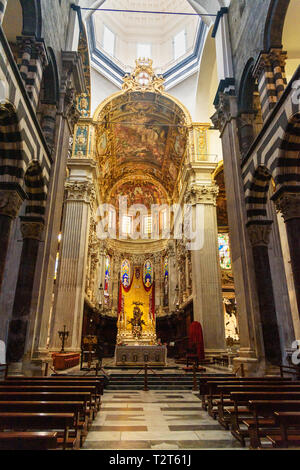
207,291
31,230
289,206
251,343
259,233
70,290
10,203
3,4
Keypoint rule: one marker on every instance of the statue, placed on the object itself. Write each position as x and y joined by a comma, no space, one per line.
137,322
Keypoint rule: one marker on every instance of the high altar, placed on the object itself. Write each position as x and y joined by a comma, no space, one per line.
136,340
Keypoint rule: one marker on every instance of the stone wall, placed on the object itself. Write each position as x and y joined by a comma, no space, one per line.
247,19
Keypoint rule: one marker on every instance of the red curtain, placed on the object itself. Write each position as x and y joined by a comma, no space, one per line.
196,338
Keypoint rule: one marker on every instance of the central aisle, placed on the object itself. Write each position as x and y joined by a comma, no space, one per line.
155,420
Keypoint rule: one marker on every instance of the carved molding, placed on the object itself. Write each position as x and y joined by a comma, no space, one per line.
32,229
288,204
202,194
259,234
80,191
10,203
225,110
143,78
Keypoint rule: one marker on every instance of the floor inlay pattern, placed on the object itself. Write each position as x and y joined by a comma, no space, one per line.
160,421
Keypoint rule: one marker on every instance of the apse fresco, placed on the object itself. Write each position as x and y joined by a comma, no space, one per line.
140,192
145,143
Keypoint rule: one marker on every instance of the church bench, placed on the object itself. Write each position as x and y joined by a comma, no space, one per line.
216,396
28,440
224,404
287,437
219,398
76,407
56,383
262,409
90,410
205,381
241,400
98,381
59,422
95,397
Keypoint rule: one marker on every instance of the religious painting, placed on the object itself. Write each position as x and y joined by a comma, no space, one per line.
140,192
224,251
125,273
101,144
144,140
148,273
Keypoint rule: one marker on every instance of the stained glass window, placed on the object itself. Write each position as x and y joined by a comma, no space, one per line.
125,273
107,275
148,273
224,251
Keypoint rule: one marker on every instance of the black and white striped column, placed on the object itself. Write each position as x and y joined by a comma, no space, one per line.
3,4
31,61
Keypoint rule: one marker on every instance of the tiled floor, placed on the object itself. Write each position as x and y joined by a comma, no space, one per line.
155,420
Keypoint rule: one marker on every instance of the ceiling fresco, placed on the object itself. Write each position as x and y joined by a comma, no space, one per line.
141,134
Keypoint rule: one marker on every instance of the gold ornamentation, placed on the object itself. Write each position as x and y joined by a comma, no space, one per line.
143,78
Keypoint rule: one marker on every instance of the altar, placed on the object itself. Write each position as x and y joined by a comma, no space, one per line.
137,343
140,355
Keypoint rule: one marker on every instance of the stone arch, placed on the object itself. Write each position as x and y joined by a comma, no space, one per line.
287,169
32,18
246,88
275,23
36,191
12,161
256,194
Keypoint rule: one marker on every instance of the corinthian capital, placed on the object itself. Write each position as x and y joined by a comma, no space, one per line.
259,233
289,205
31,228
10,202
202,194
80,191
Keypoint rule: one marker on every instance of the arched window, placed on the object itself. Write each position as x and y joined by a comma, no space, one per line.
125,273
224,251
148,273
107,276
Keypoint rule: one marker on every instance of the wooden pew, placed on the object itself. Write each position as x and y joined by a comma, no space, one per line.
218,393
89,408
95,397
203,381
205,391
262,411
60,422
96,381
241,400
288,437
76,407
28,440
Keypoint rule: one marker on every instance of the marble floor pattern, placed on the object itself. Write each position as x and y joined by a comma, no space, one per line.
155,420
